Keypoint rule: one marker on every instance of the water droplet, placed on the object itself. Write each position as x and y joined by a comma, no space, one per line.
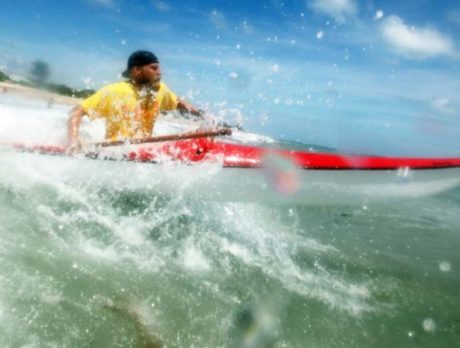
445,266
378,15
429,325
404,172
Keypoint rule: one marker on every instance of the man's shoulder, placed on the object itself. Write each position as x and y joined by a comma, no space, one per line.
164,88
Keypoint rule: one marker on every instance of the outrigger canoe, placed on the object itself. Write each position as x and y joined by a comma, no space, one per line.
239,172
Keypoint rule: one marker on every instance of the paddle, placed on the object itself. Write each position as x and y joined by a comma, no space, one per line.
169,137
203,116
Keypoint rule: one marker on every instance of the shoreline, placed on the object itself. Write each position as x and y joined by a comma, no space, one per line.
8,87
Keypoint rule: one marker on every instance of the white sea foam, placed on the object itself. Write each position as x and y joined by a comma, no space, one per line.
269,248
194,259
32,121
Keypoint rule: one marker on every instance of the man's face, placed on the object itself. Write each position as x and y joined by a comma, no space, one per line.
147,74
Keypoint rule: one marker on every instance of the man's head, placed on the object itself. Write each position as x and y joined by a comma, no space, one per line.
143,68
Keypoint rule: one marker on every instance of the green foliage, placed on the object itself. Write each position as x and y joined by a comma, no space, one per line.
3,76
68,91
24,83
60,89
39,73
84,93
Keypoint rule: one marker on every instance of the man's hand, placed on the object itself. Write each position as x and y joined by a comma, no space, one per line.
73,148
186,107
200,113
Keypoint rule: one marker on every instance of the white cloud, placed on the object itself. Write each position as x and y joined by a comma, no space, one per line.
218,19
161,6
338,9
443,105
413,41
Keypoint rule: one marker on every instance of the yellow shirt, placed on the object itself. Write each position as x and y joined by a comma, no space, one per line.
129,112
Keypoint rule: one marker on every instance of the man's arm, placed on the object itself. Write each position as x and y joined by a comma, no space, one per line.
182,105
73,129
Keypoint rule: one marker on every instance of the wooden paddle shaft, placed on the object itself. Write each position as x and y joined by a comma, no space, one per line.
169,137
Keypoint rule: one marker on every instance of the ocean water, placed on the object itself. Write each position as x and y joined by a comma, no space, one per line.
114,265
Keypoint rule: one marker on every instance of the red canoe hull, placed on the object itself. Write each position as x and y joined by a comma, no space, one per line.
223,171
243,156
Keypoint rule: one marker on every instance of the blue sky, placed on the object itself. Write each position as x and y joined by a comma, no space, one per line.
363,76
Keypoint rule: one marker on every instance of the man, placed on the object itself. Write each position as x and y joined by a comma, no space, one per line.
130,108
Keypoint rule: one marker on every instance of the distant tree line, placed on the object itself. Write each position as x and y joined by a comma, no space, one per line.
38,78
71,92
3,76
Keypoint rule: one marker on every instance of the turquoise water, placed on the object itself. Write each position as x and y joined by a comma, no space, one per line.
201,274
88,265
